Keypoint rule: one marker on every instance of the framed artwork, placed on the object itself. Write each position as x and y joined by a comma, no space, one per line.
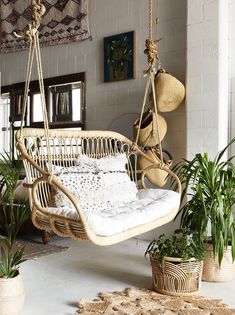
119,57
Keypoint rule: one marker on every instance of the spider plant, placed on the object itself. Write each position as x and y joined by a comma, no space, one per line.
12,216
209,185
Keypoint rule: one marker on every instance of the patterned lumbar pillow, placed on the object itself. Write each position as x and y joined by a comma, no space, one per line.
96,183
115,163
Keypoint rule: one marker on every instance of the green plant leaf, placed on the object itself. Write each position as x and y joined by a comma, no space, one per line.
209,185
182,244
12,216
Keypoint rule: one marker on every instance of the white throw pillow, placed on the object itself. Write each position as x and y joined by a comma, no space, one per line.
112,163
85,164
97,183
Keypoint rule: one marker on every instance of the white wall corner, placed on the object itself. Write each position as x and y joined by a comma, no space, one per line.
231,75
209,85
223,74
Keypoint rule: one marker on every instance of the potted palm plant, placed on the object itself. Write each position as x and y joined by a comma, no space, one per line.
177,262
209,185
12,217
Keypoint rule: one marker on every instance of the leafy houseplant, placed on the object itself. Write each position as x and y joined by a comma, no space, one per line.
181,244
212,196
177,262
210,186
12,216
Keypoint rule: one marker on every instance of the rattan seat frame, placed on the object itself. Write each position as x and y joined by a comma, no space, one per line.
31,145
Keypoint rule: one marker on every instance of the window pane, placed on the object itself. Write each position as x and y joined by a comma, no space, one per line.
37,108
5,127
66,102
76,101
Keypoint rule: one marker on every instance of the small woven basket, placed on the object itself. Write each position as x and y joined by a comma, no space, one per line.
148,134
176,276
212,272
170,92
156,176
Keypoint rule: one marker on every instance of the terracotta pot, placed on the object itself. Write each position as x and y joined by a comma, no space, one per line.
212,272
12,295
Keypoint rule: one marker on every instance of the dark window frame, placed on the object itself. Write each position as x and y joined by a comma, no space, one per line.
18,88
34,89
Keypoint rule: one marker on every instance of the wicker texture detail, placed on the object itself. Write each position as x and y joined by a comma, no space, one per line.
65,147
211,270
176,277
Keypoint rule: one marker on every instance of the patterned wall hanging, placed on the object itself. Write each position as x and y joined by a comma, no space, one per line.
64,21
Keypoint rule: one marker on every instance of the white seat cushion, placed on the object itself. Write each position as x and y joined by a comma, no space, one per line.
150,205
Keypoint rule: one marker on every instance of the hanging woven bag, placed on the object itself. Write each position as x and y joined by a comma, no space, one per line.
156,176
148,135
169,91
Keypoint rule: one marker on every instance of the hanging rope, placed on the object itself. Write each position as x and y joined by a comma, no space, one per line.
157,120
34,49
150,20
151,45
27,82
152,56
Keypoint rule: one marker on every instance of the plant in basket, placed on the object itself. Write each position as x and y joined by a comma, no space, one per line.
12,216
209,185
177,262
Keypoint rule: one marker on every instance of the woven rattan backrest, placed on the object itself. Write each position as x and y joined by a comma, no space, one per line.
65,147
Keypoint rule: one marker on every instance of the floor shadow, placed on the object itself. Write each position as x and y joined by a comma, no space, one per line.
72,304
75,305
129,273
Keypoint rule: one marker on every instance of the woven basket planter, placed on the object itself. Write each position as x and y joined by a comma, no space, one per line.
212,272
176,276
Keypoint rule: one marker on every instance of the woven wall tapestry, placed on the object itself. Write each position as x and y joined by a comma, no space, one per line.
64,21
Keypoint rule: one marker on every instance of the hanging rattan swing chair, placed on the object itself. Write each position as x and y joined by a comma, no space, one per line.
42,149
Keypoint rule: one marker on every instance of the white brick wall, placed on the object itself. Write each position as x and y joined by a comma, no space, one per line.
232,71
207,76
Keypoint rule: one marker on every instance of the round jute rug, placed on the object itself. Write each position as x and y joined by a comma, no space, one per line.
135,301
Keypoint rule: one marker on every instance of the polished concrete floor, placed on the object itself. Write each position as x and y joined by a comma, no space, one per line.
55,283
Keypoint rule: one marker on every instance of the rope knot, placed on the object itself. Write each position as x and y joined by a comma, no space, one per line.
150,70
38,11
151,51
